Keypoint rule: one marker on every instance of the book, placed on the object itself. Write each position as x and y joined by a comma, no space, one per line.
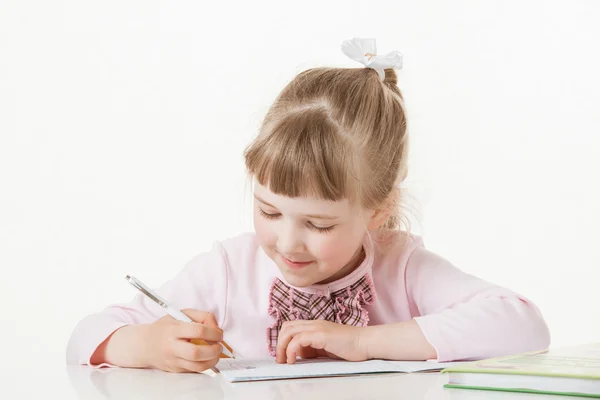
571,371
241,370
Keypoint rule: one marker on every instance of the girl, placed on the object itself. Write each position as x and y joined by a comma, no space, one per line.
328,271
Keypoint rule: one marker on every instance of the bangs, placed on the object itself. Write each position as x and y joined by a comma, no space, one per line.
303,154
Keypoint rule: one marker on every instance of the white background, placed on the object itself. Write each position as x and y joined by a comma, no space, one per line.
122,127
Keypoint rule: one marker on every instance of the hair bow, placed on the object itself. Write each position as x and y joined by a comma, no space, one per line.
365,52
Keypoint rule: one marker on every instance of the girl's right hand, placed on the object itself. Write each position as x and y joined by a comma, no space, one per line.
169,347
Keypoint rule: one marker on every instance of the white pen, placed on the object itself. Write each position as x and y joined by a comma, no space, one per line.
173,312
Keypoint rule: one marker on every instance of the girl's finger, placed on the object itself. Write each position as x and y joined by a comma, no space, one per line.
194,330
195,366
282,342
302,322
284,338
294,347
288,331
315,340
193,352
202,317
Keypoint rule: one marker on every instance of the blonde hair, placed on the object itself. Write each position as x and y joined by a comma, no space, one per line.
335,133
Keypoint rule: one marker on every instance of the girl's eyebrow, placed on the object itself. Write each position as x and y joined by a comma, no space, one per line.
314,216
264,202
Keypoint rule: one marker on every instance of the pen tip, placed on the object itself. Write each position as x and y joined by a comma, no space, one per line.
127,277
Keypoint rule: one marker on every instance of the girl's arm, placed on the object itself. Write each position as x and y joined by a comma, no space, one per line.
201,285
460,316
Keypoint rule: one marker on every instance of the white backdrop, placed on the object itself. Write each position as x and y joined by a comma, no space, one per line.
122,126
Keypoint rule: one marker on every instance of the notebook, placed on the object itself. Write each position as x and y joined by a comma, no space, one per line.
240,370
573,371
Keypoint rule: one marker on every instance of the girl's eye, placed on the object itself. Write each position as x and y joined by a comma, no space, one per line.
321,229
269,216
310,224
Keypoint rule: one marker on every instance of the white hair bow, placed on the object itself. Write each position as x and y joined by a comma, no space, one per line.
365,52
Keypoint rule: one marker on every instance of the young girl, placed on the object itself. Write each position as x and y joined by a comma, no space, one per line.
328,271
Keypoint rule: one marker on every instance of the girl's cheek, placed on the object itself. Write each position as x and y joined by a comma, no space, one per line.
333,249
338,248
263,232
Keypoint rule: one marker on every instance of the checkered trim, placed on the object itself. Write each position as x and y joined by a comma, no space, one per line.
344,306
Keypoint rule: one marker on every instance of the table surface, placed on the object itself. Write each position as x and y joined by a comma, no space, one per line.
79,382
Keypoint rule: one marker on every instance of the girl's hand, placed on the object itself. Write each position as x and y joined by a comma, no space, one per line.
169,347
317,338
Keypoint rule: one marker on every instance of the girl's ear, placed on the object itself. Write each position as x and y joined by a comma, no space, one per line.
381,215
378,219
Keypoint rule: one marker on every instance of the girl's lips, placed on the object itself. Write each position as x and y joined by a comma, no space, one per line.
295,264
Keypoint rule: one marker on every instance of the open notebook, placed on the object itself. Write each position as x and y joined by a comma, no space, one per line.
240,370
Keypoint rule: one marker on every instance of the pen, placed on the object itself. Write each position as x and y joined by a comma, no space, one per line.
173,312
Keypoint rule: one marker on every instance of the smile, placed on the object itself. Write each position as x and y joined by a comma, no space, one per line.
295,264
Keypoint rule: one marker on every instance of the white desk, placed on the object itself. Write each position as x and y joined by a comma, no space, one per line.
75,382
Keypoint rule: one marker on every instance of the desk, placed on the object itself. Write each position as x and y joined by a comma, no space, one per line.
75,382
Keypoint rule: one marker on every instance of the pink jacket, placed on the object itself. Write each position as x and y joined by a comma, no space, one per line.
462,316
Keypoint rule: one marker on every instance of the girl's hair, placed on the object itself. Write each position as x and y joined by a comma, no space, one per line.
335,133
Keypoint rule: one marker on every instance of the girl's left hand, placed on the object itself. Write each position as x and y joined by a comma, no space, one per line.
318,338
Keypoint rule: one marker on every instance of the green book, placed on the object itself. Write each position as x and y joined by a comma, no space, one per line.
570,371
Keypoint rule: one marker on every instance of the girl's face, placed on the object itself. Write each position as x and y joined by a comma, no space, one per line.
310,240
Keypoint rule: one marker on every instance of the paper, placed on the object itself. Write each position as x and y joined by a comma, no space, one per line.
240,370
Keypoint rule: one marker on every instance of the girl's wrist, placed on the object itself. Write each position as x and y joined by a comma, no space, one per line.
396,341
367,342
128,347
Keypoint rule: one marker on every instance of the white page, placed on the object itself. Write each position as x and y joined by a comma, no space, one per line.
421,366
239,370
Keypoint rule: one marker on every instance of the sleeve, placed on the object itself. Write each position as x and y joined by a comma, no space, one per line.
201,284
467,318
